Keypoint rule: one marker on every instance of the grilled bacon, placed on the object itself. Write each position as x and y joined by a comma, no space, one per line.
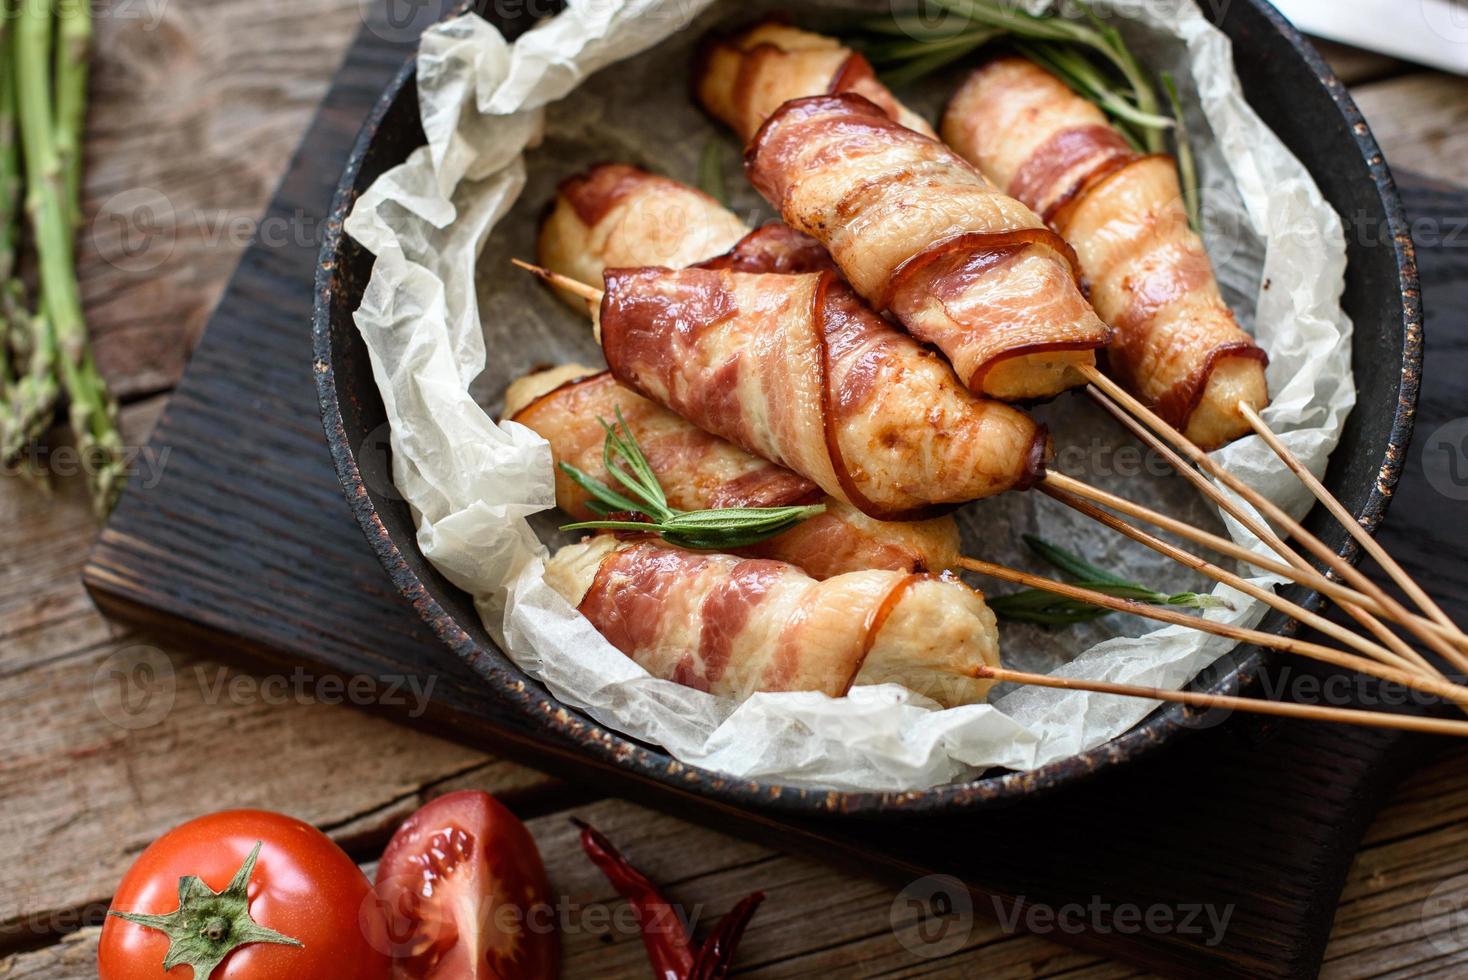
1177,345
619,215
798,370
734,626
742,79
699,471
919,232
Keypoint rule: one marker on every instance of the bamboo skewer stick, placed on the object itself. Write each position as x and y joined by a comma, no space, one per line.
1225,546
1315,651
1347,519
1266,507
589,293
1285,709
1315,580
1260,530
1267,596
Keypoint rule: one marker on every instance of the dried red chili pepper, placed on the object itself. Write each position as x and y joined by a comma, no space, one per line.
673,952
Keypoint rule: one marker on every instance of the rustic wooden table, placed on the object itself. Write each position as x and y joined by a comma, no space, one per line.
197,107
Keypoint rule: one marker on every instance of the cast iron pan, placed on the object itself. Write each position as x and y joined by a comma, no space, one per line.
1295,93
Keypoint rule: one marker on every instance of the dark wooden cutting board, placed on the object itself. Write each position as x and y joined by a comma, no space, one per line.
246,546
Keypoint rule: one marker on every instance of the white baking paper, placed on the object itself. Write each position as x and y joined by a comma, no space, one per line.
506,122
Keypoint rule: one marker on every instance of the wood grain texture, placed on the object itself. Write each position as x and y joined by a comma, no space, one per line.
195,108
1421,121
91,789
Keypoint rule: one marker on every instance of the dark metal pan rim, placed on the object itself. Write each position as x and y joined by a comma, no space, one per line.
341,407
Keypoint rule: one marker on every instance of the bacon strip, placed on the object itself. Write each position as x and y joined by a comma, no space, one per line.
775,247
840,540
619,215
734,626
920,233
797,370
696,470
699,471
1177,345
742,79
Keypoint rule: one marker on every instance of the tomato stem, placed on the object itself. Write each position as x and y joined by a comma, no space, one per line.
207,925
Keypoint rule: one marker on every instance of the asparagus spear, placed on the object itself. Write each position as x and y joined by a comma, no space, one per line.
73,64
29,382
9,195
91,409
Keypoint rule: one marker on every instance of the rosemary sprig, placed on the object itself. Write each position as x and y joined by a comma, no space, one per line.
717,529
711,171
1049,609
1187,168
1090,56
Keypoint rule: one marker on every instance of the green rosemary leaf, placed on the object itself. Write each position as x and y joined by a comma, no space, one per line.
1187,168
711,171
1197,600
940,54
1048,609
715,529
621,448
1044,608
601,494
647,526
1076,568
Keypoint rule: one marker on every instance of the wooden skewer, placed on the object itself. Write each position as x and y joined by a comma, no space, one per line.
1260,530
1347,519
589,293
595,295
1314,651
1269,510
1286,709
1225,546
1267,596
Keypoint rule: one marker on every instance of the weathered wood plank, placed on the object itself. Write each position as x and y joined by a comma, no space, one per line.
814,922
1356,66
196,108
101,768
228,132
1421,122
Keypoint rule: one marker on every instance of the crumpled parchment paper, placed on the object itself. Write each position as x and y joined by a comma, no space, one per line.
506,122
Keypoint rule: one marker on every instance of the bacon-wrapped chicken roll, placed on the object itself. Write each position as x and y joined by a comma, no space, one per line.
1177,345
619,215
734,626
798,370
919,232
743,79
672,225
699,471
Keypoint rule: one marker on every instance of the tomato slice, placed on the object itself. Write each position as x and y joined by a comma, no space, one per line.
465,896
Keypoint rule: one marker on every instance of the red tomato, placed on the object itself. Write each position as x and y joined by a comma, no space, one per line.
303,886
465,895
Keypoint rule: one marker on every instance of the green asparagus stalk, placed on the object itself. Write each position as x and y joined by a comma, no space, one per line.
9,207
91,409
10,183
27,381
73,64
